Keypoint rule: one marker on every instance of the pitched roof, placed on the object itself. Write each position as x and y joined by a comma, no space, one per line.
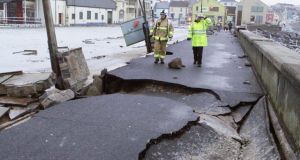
179,4
107,4
162,5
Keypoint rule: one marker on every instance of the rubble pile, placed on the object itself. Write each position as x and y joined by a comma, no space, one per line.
290,40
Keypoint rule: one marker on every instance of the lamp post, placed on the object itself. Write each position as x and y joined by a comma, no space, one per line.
201,6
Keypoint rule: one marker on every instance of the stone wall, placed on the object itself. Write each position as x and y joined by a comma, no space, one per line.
279,70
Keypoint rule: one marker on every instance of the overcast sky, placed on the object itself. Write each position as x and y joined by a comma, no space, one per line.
271,2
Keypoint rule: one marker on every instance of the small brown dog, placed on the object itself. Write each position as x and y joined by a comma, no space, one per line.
176,64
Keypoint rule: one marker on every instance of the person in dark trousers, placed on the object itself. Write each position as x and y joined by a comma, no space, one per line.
230,26
197,33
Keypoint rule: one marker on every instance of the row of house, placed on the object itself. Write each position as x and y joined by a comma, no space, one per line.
243,12
72,12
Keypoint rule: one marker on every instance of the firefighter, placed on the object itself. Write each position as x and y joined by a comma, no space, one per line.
162,31
197,33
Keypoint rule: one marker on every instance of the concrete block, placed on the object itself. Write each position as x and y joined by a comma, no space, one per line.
74,69
54,96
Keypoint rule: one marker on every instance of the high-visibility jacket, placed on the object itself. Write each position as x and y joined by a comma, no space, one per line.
197,32
162,30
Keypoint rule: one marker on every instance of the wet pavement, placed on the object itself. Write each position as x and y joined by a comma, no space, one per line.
152,112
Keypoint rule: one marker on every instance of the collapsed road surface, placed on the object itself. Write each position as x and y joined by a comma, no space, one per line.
151,112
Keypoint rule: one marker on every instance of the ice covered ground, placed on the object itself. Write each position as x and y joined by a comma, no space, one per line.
103,47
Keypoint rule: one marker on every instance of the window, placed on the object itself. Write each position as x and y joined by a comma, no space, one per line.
214,9
73,16
252,19
257,9
89,15
180,9
80,15
197,8
102,17
96,16
1,6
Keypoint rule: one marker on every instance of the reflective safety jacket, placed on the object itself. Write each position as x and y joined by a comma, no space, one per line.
197,32
162,30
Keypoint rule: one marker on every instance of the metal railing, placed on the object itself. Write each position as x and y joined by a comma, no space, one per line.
20,21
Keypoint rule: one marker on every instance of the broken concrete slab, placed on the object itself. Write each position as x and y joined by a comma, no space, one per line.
16,112
28,85
23,102
199,142
240,112
73,68
234,99
107,127
256,130
3,110
54,96
220,126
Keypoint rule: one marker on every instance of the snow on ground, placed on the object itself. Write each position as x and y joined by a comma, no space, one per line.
102,41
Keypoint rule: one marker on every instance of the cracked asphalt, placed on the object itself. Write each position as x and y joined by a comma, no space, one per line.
204,113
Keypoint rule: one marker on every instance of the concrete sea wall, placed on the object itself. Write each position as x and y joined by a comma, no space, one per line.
279,71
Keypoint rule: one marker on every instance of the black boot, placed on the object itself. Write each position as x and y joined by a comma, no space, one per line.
195,62
156,61
162,61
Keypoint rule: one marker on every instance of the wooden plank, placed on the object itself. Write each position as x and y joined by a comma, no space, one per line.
11,73
17,101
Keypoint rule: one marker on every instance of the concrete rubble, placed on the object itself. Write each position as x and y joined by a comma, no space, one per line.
26,84
73,68
54,96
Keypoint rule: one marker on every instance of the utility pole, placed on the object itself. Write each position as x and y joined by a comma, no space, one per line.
146,27
52,43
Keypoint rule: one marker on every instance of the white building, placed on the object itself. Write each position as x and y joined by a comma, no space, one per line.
90,12
178,10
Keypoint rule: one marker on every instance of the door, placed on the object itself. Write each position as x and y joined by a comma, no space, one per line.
239,18
109,17
60,18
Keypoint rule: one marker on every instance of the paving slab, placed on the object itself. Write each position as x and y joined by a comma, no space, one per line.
17,101
222,69
256,130
3,110
107,127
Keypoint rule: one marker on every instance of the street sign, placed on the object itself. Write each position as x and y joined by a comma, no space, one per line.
133,31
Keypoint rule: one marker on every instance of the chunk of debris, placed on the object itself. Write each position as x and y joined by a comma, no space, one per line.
176,64
3,110
248,64
219,126
74,69
16,112
243,56
27,52
169,53
98,57
88,41
54,96
247,82
23,102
